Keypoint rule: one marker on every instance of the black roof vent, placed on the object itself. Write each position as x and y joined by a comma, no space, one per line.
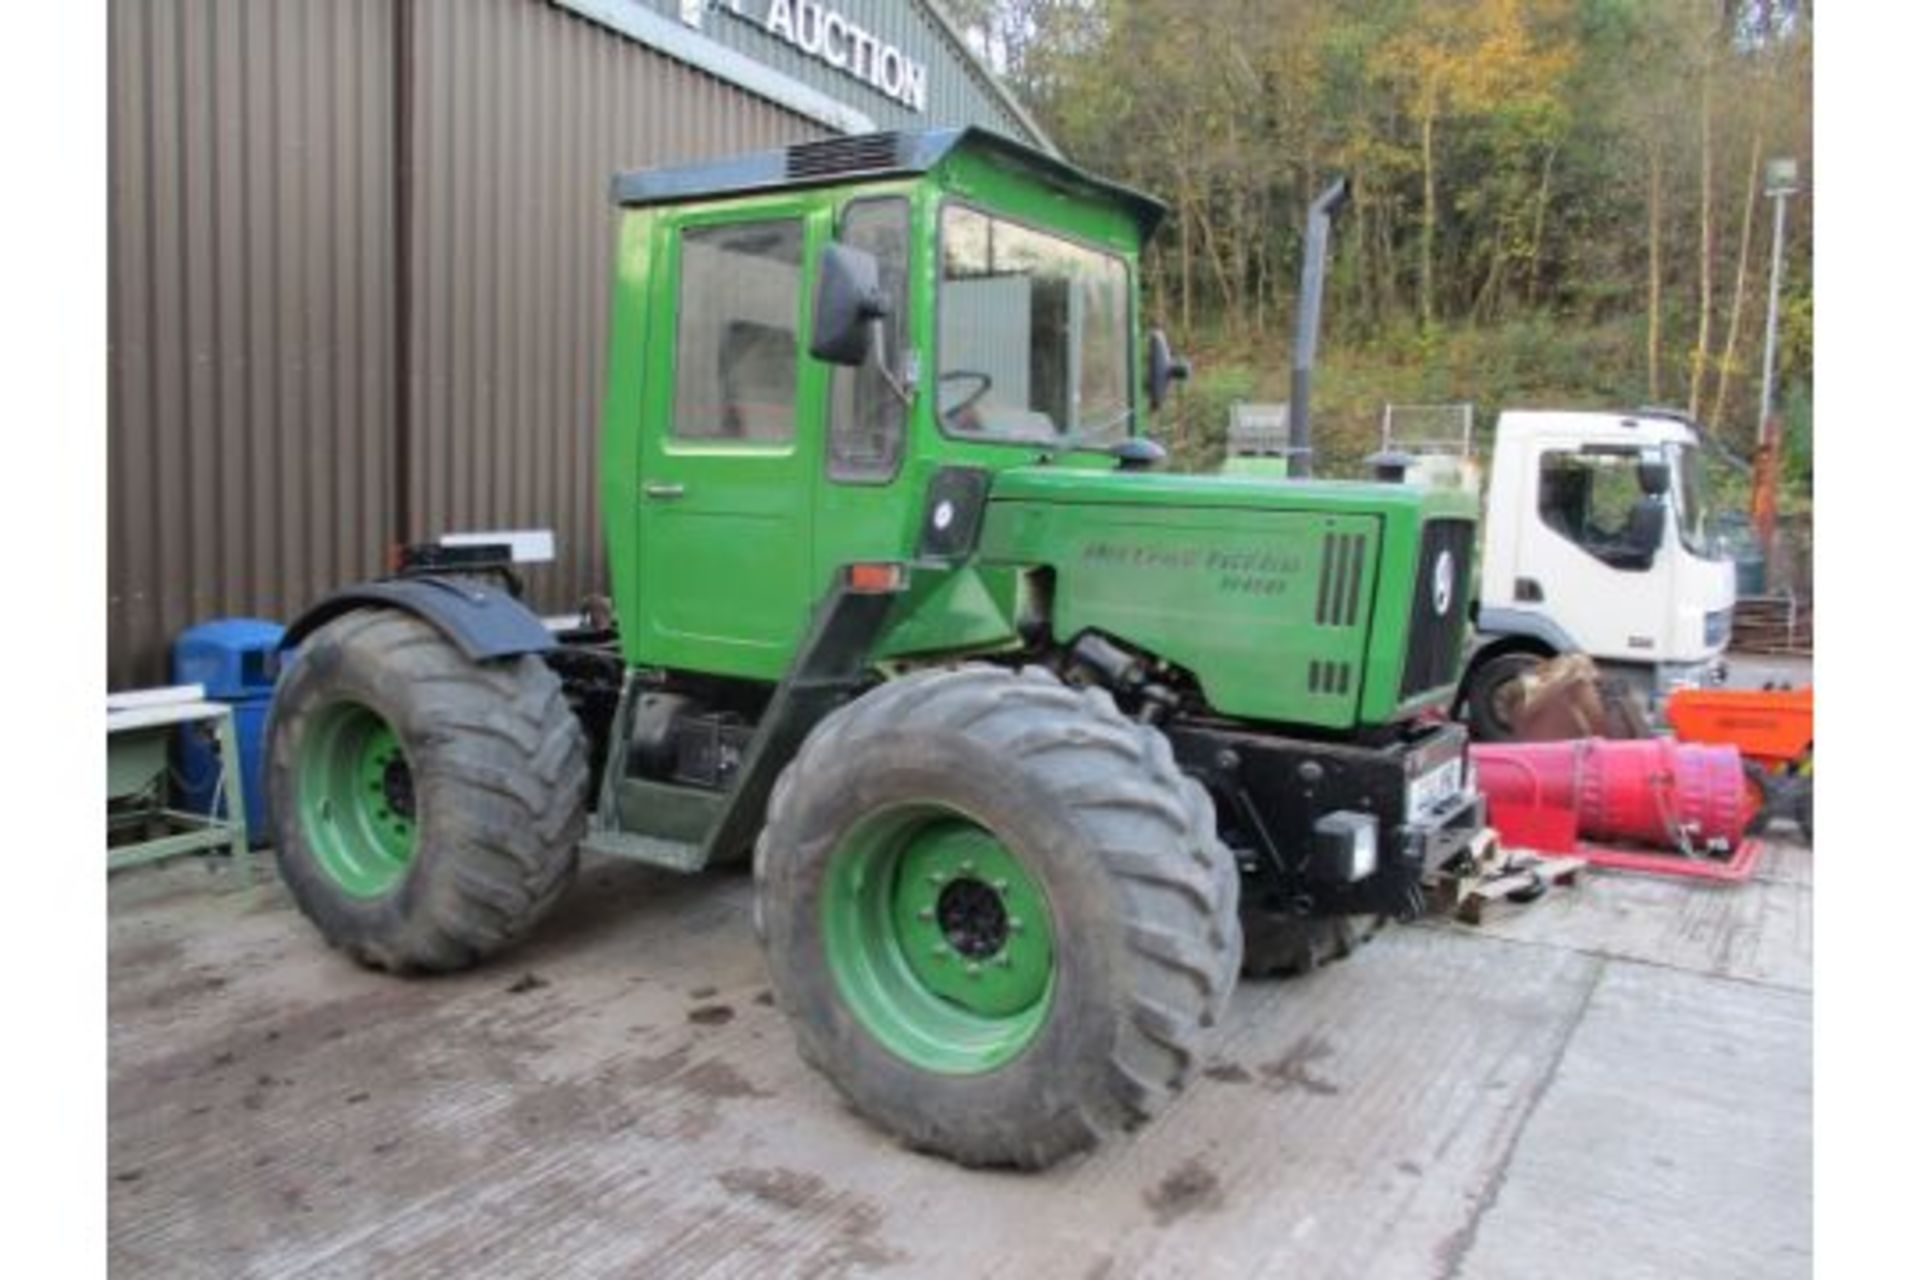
861,153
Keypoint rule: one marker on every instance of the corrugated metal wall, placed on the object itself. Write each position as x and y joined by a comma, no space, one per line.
259,455
524,113
249,314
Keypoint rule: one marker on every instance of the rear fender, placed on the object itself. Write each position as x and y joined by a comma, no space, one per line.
483,621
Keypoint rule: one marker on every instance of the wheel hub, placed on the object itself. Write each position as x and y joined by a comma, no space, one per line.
356,799
973,918
967,912
396,784
939,938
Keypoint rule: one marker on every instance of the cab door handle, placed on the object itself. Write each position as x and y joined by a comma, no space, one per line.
659,489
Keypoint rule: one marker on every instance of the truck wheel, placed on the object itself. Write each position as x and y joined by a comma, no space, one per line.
1803,802
1493,692
996,913
1284,945
426,808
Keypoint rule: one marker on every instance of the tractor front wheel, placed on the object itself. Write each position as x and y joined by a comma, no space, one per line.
426,807
996,913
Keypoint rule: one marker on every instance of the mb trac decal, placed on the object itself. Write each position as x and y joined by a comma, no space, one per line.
1256,572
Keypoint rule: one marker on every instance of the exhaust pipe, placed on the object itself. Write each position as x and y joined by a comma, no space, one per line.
1306,337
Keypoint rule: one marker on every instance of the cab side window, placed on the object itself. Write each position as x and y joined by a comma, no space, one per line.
736,363
1593,499
869,418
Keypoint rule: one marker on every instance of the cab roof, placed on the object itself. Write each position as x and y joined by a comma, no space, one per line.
871,156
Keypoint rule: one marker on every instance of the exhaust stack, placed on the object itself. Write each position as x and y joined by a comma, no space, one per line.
1306,337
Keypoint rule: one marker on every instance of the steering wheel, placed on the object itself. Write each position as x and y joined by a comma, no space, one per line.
986,385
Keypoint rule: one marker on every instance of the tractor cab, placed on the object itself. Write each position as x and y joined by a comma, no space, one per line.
802,339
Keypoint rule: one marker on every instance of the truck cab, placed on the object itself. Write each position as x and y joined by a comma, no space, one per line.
1596,542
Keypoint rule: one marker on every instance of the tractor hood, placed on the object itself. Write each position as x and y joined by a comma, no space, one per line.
1295,601
1160,489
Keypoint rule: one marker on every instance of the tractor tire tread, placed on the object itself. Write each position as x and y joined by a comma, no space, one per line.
1118,778
505,761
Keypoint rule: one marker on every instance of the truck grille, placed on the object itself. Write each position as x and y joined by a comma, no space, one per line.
1433,634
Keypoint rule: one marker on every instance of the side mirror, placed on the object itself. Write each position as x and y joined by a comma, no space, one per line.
1647,527
846,301
1656,477
1163,368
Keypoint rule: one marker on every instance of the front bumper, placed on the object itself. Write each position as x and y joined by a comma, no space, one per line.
1269,792
1435,840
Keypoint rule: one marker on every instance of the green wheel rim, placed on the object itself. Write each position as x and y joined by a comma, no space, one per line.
356,799
939,939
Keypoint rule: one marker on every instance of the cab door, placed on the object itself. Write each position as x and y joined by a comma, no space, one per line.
728,463
1613,600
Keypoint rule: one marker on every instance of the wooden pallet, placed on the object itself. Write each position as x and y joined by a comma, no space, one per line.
1499,876
1525,879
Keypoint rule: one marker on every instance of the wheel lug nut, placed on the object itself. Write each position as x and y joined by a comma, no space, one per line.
940,949
966,868
973,968
925,913
1015,924
1001,886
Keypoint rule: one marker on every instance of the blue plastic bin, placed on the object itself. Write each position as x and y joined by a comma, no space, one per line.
237,661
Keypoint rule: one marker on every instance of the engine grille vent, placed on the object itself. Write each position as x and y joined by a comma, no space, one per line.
1434,634
862,153
1329,677
1343,561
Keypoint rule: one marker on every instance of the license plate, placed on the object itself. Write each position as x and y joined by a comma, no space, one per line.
1434,787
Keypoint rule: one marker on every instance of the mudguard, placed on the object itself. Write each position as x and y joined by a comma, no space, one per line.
484,621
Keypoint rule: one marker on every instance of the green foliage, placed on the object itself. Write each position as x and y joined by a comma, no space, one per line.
1547,193
1796,455
1200,409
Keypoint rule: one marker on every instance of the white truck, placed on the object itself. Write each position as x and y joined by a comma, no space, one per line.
1594,541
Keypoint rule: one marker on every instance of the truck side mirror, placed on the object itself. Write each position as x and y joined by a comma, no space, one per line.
1647,527
1163,368
846,301
1656,477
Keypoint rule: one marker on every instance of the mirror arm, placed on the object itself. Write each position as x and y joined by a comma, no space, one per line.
904,384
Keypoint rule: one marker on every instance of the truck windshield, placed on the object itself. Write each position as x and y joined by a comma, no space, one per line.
1689,499
1033,334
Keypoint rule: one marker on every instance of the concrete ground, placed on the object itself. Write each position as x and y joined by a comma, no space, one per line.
1613,1082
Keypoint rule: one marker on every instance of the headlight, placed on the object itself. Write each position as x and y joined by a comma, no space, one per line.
1346,846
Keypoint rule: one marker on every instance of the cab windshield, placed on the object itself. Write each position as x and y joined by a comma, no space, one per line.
1033,334
1689,498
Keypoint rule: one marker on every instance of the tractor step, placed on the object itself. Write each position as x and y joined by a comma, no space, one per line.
674,855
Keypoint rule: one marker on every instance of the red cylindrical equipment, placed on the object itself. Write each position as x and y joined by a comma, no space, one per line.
1646,791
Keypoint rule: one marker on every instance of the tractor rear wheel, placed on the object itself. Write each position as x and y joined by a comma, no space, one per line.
996,913
1285,945
426,807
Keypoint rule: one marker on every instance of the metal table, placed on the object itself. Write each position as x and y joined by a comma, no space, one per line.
139,725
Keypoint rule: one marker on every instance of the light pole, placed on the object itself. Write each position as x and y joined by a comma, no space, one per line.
1783,179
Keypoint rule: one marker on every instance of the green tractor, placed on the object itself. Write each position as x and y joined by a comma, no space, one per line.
1032,744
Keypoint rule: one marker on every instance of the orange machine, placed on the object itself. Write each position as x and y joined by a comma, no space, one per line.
1773,729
